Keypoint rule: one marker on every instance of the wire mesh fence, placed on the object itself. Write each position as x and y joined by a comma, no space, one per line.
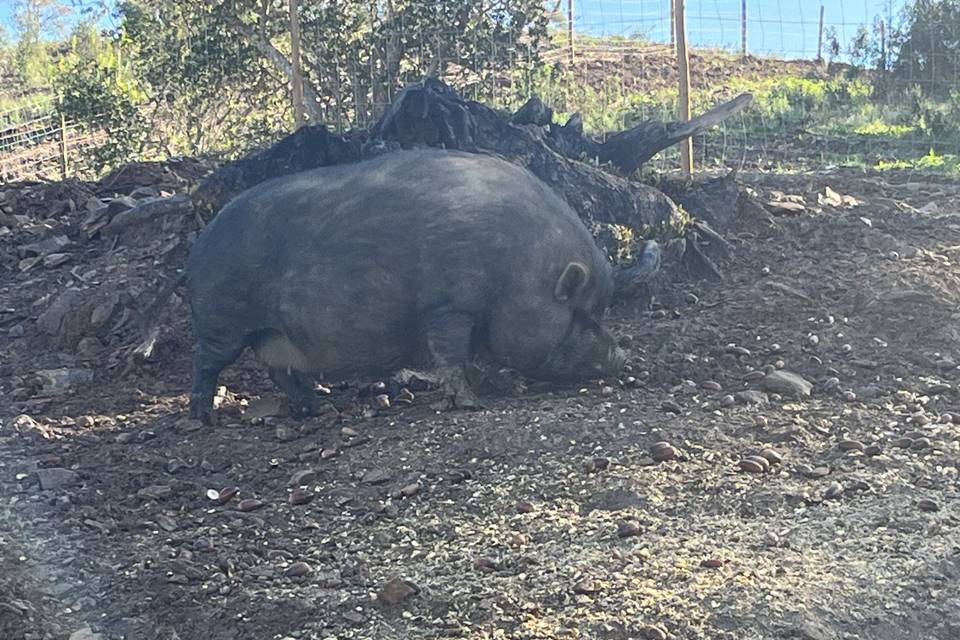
38,143
871,83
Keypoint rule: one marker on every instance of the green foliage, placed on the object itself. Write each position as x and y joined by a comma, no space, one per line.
363,52
31,59
928,44
213,76
101,93
206,88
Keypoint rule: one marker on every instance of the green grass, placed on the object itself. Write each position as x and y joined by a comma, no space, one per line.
798,121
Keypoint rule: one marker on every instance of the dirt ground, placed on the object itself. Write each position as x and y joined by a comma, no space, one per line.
549,515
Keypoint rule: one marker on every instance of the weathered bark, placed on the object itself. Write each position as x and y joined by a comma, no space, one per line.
629,149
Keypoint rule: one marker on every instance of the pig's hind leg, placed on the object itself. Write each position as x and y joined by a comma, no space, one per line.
211,358
448,337
286,363
302,397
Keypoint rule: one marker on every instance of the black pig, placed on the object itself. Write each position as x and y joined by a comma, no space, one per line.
413,259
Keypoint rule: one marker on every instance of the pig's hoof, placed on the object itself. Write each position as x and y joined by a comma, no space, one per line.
303,407
202,412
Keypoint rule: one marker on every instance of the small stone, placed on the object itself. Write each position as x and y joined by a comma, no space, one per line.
587,587
737,350
285,434
226,494
353,617
772,456
751,466
711,563
872,450
397,590
525,507
297,569
830,384
753,376
928,505
787,383
60,381
663,451
250,504
518,539
947,418
167,523
763,462
816,472
597,464
652,632
849,396
299,497
606,391
920,444
381,401
326,454
156,492
86,633
671,406
834,490
902,443
375,476
711,385
272,406
751,396
410,490
303,477
56,477
851,445
85,422
486,564
628,529
727,401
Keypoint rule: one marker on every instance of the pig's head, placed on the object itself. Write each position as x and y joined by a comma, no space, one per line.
559,334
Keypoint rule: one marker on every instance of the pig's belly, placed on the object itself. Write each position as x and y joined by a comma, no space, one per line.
332,358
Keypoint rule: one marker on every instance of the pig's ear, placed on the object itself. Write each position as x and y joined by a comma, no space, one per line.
572,281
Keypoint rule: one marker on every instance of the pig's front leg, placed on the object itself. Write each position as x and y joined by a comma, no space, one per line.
448,337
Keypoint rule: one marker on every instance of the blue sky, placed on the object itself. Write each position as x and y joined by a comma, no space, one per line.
785,28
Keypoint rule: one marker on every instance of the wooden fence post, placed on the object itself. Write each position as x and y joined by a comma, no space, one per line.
572,53
296,79
64,166
673,25
743,28
683,66
820,36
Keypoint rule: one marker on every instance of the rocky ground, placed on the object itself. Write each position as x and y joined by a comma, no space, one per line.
780,461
